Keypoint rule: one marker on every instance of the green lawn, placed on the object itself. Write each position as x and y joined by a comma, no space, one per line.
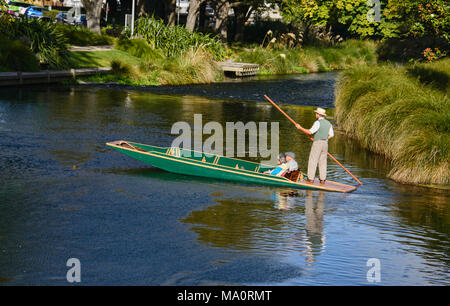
93,59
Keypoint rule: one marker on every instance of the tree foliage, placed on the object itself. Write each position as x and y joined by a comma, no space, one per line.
420,17
397,18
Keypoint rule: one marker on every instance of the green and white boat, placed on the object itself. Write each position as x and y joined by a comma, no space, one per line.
203,164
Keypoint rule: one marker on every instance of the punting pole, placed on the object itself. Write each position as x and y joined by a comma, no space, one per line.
295,123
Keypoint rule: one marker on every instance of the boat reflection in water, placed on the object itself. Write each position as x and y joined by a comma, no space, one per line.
284,199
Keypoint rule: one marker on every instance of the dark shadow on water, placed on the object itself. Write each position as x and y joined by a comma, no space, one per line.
314,89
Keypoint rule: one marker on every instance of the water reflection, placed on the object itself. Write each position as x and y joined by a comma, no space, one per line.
291,224
237,224
284,199
316,89
315,238
311,239
159,217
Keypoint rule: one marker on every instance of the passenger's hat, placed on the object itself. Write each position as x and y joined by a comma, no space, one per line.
290,154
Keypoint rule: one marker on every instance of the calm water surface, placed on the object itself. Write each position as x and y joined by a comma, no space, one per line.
64,194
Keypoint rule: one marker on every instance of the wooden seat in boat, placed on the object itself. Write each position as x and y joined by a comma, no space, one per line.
292,175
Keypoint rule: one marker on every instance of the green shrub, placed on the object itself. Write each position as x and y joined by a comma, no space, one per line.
43,38
139,48
405,49
114,31
16,56
174,40
81,36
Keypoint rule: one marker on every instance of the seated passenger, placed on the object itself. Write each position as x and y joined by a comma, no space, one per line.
282,166
290,161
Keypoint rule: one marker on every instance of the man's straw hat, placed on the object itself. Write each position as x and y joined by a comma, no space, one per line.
320,111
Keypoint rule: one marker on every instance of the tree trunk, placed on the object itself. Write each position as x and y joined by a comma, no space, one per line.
169,8
194,7
93,14
241,15
202,17
221,28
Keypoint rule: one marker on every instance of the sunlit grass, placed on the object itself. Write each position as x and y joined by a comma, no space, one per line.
191,67
197,65
397,113
308,59
92,59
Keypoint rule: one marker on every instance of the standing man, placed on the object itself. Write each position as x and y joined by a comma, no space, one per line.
322,131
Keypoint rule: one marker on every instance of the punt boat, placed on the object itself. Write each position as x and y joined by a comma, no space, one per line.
188,162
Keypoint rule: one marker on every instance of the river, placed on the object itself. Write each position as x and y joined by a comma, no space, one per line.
64,194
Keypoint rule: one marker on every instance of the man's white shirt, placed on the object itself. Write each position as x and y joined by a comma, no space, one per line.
316,127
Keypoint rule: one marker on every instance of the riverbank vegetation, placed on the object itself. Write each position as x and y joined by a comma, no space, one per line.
177,56
402,112
199,66
324,37
42,39
308,59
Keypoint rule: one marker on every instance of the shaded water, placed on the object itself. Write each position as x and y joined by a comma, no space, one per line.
64,194
302,89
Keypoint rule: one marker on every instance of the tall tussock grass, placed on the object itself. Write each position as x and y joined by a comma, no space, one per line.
310,59
392,111
195,66
435,74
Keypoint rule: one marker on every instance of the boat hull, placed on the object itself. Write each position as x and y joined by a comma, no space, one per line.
160,158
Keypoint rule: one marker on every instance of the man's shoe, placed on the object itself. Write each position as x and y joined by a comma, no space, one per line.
322,181
308,181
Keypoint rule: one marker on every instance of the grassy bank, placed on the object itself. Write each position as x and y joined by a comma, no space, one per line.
163,54
148,66
93,59
402,112
308,59
151,68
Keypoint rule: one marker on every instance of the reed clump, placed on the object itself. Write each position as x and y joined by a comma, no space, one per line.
195,66
395,111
